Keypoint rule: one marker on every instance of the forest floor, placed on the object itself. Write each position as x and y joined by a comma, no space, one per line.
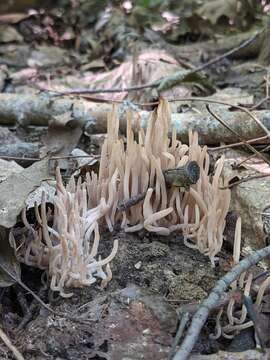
44,56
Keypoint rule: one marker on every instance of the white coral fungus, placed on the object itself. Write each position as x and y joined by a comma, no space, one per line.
68,248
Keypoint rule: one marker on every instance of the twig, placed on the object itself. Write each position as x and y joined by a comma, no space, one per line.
16,279
158,83
11,347
252,156
254,107
212,101
184,319
244,180
128,203
228,146
247,301
218,118
202,314
50,159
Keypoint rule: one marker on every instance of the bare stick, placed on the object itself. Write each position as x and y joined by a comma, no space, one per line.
50,159
252,156
260,176
202,314
184,319
11,347
228,146
218,118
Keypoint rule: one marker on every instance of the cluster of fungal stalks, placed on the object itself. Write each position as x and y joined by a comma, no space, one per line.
138,169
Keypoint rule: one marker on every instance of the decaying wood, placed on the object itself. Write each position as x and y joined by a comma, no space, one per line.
39,110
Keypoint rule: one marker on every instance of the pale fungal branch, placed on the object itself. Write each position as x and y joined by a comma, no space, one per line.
68,249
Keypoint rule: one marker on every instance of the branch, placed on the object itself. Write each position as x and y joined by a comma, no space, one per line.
202,314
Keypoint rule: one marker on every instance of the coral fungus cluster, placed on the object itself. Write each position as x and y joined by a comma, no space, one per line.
68,248
126,172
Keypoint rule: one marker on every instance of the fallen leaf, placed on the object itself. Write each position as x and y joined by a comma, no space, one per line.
35,197
63,136
9,34
8,168
8,260
15,189
13,18
215,9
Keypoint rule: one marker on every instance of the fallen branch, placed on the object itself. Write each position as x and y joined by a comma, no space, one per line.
38,110
256,152
202,314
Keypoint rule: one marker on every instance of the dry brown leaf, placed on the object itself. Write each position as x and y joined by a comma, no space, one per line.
151,66
7,260
63,136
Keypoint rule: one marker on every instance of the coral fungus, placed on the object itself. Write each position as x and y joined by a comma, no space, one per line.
68,248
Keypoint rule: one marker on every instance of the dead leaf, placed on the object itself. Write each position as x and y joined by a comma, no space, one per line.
8,168
23,75
215,9
15,189
9,34
13,18
63,136
7,260
35,197
151,66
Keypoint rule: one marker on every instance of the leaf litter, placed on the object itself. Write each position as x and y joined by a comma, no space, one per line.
151,277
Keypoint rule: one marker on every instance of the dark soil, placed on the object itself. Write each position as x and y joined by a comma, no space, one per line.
135,317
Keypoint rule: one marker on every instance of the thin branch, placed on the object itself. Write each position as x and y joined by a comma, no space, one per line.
16,279
244,180
212,101
202,314
47,307
184,320
252,156
218,118
228,146
50,159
